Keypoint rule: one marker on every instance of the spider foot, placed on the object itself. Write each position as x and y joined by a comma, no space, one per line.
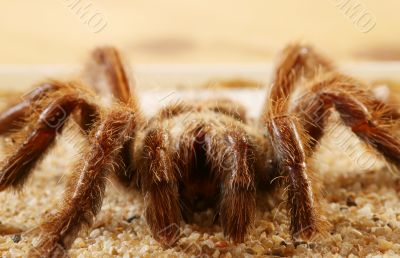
163,216
313,232
168,236
48,247
237,213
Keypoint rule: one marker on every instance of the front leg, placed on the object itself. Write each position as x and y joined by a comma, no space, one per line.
85,189
159,183
288,142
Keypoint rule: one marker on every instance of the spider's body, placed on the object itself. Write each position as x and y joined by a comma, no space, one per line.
191,156
203,149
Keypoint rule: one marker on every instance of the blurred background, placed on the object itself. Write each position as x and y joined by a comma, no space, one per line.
193,31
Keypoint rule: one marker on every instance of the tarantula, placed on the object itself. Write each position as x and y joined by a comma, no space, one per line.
190,156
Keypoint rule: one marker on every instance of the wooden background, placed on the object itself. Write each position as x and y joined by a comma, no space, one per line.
194,31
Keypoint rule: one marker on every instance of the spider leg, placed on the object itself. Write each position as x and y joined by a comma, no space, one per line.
294,130
107,67
231,154
357,109
296,61
32,143
10,117
288,139
289,143
85,189
160,186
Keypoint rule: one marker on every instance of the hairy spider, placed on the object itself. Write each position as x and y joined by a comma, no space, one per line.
192,155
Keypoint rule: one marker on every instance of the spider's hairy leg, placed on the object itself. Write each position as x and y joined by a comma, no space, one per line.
288,141
160,186
295,130
385,105
231,154
105,70
357,109
296,61
10,117
85,188
106,65
32,143
13,117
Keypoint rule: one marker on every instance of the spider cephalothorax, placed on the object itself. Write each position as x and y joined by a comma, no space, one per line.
190,156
